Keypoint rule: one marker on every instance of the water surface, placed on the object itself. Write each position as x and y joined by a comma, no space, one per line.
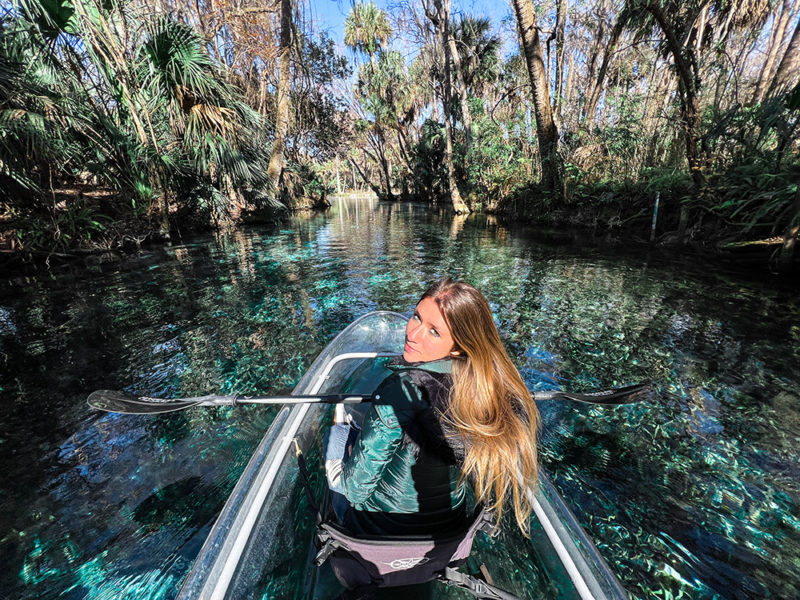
696,494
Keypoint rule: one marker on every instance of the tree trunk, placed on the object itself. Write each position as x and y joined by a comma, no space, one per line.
790,64
547,133
455,59
383,162
594,97
775,43
600,14
442,22
275,167
365,178
687,85
377,142
561,24
658,94
570,80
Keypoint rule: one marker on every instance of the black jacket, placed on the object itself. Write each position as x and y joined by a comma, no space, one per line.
402,476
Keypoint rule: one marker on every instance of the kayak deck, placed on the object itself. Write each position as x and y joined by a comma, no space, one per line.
260,545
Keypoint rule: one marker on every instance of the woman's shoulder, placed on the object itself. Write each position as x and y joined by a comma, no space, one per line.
417,385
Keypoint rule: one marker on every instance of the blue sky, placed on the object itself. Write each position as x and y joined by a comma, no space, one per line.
330,14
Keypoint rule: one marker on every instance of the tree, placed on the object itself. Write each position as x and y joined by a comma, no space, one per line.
366,29
546,129
439,16
282,97
559,34
689,83
780,21
453,64
597,88
479,52
387,96
789,65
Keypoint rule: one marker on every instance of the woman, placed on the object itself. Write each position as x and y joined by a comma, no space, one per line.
454,409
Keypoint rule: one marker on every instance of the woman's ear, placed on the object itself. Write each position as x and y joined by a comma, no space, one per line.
455,353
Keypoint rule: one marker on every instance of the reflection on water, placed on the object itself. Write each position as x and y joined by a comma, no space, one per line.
696,494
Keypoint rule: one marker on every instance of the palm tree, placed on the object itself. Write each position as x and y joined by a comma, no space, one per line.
480,52
32,117
366,29
212,128
439,16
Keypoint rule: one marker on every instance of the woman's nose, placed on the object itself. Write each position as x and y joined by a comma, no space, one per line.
413,331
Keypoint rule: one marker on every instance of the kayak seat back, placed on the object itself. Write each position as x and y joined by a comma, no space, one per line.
393,560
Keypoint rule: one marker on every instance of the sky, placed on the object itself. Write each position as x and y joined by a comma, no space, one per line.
330,14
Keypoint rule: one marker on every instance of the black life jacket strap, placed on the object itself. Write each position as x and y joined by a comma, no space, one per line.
475,586
327,546
303,470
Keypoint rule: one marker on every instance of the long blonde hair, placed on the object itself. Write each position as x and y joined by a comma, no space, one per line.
489,405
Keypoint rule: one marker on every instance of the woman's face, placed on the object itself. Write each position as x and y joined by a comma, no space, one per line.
427,335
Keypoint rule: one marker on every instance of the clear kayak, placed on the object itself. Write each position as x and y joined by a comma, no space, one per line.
261,545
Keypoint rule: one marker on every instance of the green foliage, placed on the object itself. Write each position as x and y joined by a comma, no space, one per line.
386,92
366,28
78,223
51,17
494,164
479,51
665,180
429,176
163,120
320,57
752,200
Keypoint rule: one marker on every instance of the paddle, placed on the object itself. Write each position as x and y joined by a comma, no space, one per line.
120,402
613,397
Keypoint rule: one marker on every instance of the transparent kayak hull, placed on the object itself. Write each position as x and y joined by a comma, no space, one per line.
261,544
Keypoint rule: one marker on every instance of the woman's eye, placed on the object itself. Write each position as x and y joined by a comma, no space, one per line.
415,317
434,333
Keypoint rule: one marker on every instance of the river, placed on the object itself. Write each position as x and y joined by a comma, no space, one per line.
695,493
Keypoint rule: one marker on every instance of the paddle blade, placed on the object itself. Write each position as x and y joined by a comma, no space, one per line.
626,395
120,402
614,397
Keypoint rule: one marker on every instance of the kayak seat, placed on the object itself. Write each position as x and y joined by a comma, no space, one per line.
374,561
369,561
392,560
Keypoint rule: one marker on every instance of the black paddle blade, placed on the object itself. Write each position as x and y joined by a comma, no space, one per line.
625,395
119,402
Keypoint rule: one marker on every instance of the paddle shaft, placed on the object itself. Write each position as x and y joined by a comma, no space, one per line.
120,402
235,400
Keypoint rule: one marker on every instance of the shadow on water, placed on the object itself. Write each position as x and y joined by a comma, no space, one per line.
696,494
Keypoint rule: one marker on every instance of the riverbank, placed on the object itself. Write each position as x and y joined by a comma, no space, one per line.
758,231
612,217
93,224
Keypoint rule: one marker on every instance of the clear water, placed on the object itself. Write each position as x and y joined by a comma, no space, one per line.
696,495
